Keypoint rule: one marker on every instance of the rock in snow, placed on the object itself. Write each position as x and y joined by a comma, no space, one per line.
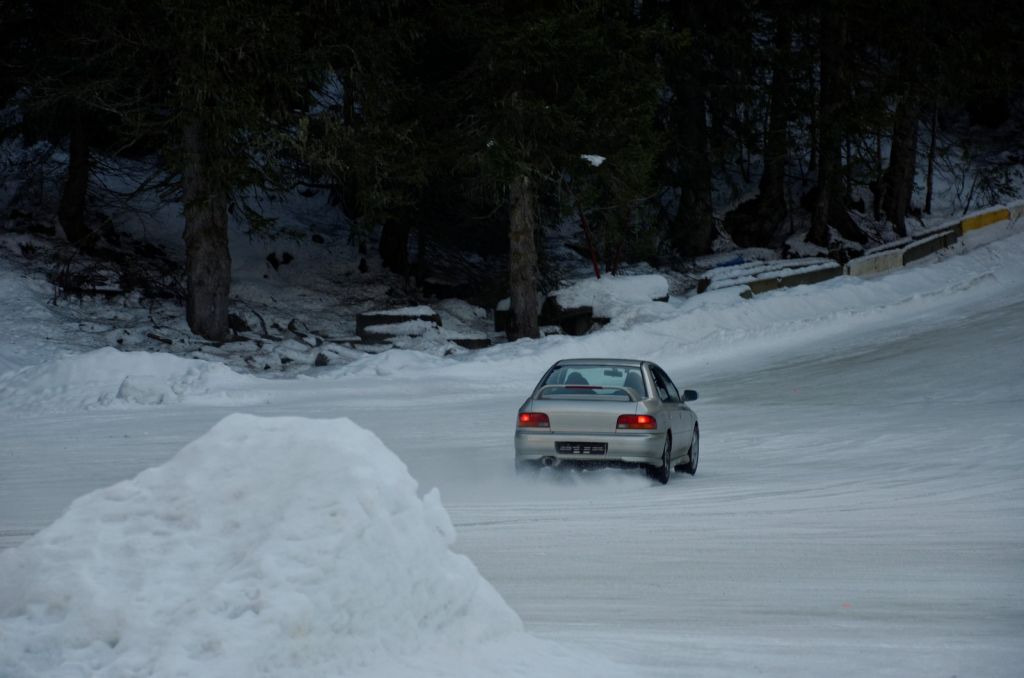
613,295
268,547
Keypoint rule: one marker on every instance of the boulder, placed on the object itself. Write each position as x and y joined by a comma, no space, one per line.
373,326
573,320
471,343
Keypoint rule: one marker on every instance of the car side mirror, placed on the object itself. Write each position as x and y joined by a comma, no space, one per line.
689,394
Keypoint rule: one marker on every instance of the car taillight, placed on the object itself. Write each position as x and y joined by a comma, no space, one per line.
644,421
533,420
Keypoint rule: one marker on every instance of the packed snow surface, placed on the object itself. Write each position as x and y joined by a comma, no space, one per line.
858,511
267,547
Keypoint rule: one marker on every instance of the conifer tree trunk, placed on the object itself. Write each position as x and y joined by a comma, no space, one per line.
71,211
812,137
693,228
772,188
899,177
830,207
522,260
755,223
207,256
829,140
394,246
876,184
930,180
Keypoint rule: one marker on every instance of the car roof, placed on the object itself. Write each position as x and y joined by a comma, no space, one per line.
602,361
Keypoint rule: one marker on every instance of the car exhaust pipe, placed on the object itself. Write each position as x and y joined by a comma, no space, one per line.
548,461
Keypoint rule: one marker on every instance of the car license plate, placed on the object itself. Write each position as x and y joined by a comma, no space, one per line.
581,448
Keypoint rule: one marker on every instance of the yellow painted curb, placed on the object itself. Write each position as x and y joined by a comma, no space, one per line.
985,219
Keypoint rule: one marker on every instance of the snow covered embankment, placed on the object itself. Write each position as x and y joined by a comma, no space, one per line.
268,547
108,377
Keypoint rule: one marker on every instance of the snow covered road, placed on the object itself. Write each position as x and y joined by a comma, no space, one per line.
859,509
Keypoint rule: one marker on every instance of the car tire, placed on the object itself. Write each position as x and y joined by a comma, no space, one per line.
694,452
661,473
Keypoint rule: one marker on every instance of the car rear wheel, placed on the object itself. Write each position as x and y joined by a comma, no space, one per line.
691,466
661,473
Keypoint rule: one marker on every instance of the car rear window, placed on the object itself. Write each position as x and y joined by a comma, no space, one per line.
608,376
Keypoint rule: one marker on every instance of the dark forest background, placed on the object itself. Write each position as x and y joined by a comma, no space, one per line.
466,122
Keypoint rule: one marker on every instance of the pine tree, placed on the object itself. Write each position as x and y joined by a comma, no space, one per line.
685,60
543,84
222,85
371,144
757,222
57,74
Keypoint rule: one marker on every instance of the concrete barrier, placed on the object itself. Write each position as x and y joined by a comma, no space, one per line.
997,221
875,263
985,218
742,274
761,276
951,225
762,286
925,246
816,275
1016,210
810,277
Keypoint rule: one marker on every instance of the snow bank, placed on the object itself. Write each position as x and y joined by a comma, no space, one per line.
30,328
268,547
108,377
611,295
704,334
392,362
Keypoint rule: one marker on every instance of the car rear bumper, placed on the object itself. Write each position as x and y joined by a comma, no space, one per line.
628,448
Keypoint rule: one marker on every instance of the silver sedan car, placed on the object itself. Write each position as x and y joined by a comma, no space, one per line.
608,411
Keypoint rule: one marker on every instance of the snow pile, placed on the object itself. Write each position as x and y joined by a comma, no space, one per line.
396,361
610,296
703,334
462,320
407,311
408,328
28,324
108,377
268,547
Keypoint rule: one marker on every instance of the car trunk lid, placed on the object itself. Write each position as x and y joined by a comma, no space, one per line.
584,414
